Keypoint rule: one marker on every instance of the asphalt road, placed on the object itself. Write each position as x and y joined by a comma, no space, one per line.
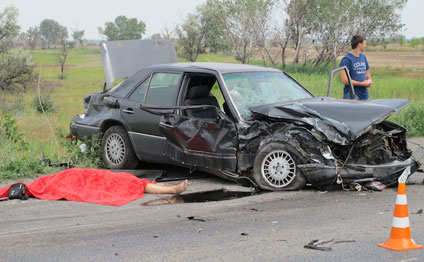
266,227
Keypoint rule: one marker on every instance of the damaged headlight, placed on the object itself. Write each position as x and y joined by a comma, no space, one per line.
82,116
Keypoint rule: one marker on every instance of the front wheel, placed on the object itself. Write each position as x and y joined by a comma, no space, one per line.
275,168
117,152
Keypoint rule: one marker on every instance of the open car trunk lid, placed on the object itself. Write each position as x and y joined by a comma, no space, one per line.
124,58
350,118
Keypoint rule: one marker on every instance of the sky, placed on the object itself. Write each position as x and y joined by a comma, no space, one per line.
88,15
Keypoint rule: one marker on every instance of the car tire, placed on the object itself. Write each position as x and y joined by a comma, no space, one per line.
275,168
117,151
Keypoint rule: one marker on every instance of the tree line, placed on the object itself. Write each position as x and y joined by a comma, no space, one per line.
250,28
244,28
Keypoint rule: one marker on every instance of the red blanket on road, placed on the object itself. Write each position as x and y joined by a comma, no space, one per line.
86,185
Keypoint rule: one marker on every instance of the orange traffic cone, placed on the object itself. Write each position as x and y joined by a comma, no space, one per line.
400,235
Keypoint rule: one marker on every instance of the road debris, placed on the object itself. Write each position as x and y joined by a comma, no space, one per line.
419,211
196,218
318,245
375,186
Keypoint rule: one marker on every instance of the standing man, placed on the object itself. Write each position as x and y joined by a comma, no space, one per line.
357,65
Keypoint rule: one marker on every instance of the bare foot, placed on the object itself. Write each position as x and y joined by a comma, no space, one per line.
180,187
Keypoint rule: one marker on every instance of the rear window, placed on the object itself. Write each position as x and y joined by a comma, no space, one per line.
123,89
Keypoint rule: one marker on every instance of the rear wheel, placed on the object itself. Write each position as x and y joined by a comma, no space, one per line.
117,151
275,168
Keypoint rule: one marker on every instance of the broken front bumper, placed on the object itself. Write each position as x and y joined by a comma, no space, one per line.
388,173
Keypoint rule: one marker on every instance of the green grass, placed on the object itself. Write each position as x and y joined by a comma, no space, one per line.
84,75
76,56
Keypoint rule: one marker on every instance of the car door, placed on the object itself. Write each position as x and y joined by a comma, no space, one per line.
199,142
160,89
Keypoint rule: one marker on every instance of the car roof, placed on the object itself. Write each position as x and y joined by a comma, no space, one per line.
218,67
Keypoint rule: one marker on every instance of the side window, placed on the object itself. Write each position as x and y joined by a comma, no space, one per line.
138,94
163,89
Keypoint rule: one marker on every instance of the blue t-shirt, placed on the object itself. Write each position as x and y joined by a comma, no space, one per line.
357,67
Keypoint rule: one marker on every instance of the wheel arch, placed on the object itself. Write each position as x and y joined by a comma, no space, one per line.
109,123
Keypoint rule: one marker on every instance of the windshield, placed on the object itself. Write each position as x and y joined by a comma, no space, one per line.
260,88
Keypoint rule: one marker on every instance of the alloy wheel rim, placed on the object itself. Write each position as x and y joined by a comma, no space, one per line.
278,169
115,149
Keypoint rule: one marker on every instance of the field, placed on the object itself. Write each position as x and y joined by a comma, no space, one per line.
396,74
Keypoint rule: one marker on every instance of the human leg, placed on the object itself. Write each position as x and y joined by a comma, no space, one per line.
163,189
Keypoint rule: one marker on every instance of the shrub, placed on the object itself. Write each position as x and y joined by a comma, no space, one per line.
15,69
20,166
46,103
12,132
16,160
86,153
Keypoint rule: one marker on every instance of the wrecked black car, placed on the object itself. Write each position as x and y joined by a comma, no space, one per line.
237,121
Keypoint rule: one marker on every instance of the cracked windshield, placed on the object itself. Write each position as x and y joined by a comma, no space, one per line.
260,88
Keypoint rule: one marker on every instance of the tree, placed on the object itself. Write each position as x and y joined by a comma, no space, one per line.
8,27
241,19
156,36
63,49
15,69
15,64
297,24
190,36
167,33
262,30
78,35
50,31
211,19
123,29
333,23
33,36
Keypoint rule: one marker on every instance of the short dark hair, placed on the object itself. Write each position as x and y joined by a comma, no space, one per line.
356,39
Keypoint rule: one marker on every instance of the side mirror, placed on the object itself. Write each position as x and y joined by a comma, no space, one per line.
111,102
352,90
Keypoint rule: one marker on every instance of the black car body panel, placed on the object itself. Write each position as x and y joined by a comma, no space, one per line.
334,138
325,113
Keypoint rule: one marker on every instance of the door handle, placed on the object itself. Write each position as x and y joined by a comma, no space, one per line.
128,111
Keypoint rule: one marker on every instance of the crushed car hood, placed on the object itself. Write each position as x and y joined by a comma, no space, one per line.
351,118
123,58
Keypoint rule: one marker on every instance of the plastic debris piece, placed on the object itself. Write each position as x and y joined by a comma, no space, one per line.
375,185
